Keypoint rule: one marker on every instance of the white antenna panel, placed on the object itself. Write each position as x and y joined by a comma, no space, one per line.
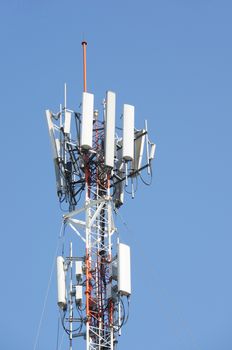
78,295
128,132
59,180
61,283
51,133
124,270
87,121
67,122
55,150
152,151
57,141
139,147
79,272
110,128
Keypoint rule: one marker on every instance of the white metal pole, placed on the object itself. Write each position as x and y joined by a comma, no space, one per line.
87,253
61,120
148,168
70,300
65,96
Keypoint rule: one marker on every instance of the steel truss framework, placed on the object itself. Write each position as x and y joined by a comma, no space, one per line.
97,231
94,225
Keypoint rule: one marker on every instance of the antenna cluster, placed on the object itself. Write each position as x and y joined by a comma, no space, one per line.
101,160
86,147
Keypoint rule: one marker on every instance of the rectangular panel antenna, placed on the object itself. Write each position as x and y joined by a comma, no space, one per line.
128,132
152,151
124,269
61,287
139,147
110,128
87,120
51,133
67,122
78,295
78,268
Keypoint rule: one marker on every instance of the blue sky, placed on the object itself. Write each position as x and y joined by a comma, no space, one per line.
172,60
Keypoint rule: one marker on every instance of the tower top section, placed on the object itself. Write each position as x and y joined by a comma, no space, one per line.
102,146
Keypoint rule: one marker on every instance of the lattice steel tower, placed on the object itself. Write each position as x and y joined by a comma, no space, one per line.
96,160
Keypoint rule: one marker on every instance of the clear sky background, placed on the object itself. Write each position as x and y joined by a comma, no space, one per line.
172,59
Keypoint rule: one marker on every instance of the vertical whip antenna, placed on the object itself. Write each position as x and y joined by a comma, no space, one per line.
65,96
84,44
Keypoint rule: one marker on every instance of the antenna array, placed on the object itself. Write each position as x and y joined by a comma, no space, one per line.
95,163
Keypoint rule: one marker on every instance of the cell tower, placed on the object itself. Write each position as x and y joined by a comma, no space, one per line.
95,162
